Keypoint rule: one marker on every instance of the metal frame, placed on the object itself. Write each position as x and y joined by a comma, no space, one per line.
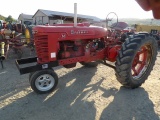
32,68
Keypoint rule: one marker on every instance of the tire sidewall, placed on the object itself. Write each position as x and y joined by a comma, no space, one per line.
126,57
146,41
36,74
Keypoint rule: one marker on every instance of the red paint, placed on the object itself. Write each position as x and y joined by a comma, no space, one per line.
140,61
74,44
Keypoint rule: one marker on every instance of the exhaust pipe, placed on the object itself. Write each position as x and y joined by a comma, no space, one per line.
75,14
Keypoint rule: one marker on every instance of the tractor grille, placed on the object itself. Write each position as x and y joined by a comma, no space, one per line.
41,43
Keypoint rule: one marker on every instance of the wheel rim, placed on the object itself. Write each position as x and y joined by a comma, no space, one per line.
141,61
44,82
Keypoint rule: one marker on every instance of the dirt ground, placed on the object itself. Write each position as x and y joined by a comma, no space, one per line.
82,94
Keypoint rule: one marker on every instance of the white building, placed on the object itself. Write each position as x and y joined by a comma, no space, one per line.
24,18
53,17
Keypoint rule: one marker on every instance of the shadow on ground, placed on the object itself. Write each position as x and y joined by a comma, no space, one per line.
129,105
69,101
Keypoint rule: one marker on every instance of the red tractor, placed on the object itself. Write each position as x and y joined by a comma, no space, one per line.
67,44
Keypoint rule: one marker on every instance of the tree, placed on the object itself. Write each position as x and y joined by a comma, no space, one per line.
2,17
9,18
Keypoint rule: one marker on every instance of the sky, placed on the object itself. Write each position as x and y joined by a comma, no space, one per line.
98,8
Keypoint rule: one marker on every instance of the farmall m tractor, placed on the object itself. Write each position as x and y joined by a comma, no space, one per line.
67,44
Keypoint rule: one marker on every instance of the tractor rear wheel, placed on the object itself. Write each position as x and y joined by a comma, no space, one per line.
135,61
43,81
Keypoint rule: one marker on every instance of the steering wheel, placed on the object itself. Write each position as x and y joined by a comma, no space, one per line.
111,20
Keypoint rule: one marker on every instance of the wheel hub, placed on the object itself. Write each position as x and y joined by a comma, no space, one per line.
141,62
44,82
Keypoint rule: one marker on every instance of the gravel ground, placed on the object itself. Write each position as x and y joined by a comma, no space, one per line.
82,94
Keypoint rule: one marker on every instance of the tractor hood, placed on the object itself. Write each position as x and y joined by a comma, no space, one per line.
71,30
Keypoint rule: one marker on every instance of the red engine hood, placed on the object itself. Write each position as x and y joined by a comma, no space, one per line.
71,30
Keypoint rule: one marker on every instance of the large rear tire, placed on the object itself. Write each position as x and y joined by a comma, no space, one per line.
135,61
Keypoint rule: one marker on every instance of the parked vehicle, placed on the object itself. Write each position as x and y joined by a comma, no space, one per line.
68,44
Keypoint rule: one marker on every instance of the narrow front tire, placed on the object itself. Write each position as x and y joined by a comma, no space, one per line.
43,81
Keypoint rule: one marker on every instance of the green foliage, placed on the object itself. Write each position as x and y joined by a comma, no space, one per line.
7,19
2,17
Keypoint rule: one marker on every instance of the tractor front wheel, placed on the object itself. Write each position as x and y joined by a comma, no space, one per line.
43,81
135,61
